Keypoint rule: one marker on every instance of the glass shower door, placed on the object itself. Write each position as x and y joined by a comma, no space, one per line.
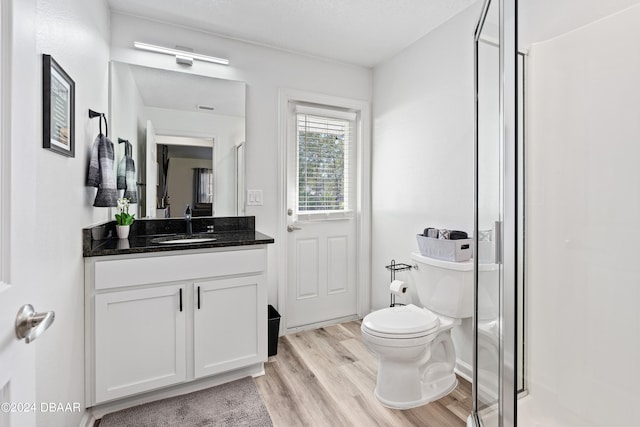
489,191
494,383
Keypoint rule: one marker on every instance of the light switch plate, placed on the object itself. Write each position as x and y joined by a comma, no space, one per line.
254,197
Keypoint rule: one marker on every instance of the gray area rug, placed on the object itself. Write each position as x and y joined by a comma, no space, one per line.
237,403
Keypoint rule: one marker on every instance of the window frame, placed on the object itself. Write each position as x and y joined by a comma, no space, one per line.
329,113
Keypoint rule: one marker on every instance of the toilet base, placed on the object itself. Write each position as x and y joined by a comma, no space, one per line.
431,391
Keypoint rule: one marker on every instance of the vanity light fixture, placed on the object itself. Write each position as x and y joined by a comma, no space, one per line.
182,56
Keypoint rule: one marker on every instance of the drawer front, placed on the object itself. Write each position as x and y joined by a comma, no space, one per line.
139,271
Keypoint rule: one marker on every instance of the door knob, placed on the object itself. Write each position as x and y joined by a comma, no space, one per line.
291,228
29,324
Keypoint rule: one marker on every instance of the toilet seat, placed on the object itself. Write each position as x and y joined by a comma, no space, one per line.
403,322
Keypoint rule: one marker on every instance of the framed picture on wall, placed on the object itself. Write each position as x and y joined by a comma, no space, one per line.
58,108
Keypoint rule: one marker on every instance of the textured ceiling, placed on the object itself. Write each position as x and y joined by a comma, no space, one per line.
362,32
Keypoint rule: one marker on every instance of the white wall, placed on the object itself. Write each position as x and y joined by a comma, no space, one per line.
583,208
423,149
264,70
51,203
489,153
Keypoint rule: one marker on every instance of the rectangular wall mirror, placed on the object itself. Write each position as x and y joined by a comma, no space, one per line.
188,137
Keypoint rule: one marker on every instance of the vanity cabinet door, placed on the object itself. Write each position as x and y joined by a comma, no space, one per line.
230,324
139,340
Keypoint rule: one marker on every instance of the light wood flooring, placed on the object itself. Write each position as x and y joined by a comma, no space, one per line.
326,377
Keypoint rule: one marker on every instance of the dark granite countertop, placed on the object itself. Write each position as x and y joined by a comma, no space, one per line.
143,238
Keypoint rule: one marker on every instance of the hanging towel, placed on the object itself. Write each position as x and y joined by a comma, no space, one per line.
131,186
126,177
121,177
101,173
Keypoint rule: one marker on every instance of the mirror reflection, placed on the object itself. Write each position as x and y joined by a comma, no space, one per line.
185,176
187,133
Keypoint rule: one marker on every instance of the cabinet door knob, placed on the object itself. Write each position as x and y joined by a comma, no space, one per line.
180,299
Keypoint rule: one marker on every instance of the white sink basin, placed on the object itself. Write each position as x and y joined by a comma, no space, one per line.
182,240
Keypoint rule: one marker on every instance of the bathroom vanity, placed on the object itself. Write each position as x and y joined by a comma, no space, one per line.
157,315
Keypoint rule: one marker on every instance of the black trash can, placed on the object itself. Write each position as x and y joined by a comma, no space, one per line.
274,329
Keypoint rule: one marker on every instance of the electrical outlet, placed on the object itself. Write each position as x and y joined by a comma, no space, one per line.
254,197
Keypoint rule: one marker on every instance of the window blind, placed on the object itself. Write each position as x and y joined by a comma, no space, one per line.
324,154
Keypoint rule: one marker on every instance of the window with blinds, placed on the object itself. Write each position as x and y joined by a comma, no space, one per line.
203,185
324,147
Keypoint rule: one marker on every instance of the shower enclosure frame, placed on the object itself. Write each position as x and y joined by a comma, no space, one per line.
506,240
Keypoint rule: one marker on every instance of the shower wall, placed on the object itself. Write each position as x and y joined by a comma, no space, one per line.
583,207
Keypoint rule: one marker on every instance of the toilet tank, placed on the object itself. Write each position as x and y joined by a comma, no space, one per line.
444,287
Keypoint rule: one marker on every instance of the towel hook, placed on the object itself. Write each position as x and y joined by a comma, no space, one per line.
94,114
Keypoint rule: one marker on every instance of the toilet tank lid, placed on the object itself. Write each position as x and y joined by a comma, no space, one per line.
450,265
401,320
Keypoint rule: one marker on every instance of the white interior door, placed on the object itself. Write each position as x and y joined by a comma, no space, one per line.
17,360
321,273
321,242
17,365
152,172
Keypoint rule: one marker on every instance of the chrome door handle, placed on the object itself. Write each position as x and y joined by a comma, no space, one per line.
291,228
29,324
497,235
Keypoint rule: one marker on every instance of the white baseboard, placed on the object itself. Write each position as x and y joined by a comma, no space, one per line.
464,370
320,324
88,420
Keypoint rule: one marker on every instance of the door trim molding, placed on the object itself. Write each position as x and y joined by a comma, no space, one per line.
363,200
6,38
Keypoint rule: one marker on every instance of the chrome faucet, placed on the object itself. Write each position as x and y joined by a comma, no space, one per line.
187,217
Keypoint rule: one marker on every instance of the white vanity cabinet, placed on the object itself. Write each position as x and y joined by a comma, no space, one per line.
161,319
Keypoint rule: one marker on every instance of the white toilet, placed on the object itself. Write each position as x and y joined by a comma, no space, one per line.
416,357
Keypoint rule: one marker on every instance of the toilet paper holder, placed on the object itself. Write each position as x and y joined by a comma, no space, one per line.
394,268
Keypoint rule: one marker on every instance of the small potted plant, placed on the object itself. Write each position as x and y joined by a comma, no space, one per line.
123,219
